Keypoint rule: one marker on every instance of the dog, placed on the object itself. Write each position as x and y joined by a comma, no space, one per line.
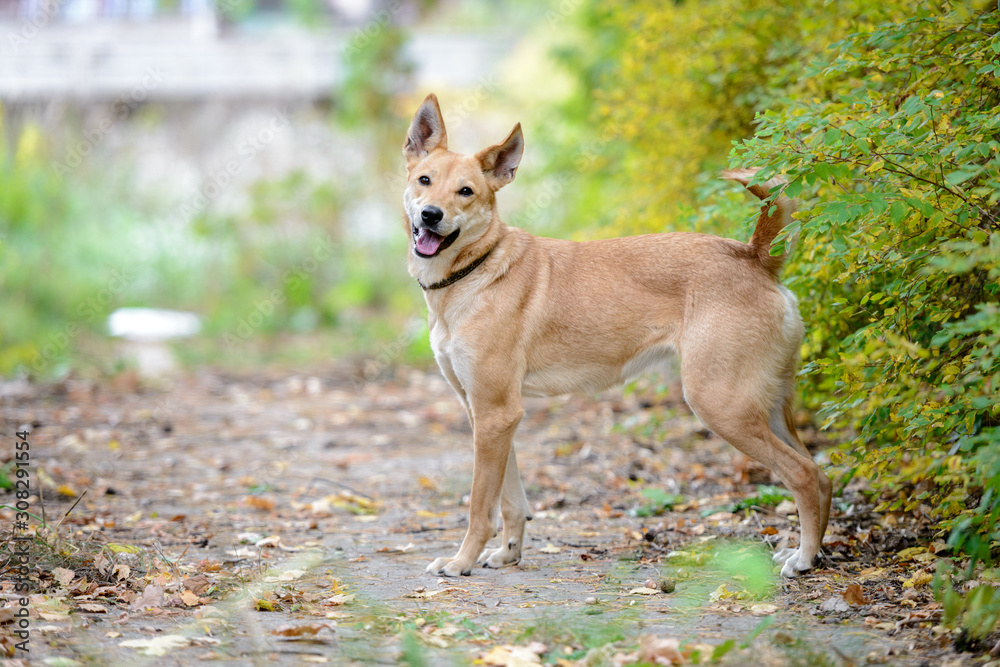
511,315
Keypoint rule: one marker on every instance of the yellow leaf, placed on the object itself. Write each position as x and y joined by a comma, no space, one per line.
722,593
908,554
918,579
66,490
875,166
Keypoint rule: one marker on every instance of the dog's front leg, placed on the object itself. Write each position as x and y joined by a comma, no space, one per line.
493,434
515,511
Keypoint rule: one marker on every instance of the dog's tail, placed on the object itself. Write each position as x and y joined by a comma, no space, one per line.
769,223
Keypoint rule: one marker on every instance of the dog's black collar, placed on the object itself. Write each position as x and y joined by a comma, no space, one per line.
458,275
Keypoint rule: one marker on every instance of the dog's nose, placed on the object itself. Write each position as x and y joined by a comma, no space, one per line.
431,215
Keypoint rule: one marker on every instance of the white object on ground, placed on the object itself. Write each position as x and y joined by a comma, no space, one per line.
150,325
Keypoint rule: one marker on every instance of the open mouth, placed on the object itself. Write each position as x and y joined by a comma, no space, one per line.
429,244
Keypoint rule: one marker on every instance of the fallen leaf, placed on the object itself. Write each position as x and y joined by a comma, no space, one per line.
643,590
722,593
299,631
919,578
7,614
157,646
93,608
47,616
102,563
190,599
429,594
63,576
550,549
198,585
397,550
152,596
660,651
909,554
272,541
834,604
785,507
339,599
855,596
259,503
122,572
513,656
763,609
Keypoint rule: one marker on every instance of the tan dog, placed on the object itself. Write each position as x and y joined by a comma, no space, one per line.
511,314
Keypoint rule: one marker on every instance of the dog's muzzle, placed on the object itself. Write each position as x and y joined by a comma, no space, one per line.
428,244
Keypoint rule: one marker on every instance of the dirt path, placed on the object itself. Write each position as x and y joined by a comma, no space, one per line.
280,518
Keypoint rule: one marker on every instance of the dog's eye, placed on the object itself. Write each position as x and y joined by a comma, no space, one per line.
425,180
465,192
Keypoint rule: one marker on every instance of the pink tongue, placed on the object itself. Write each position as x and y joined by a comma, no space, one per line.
428,242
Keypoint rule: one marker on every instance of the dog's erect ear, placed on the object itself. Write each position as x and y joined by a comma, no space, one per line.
500,162
426,131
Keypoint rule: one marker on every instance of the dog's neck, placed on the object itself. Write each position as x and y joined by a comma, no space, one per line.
431,271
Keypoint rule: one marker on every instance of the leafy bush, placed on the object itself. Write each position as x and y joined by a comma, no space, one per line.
891,139
900,256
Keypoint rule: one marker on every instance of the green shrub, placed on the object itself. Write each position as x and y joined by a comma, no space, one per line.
886,120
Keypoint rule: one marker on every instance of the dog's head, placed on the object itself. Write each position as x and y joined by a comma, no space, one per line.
449,197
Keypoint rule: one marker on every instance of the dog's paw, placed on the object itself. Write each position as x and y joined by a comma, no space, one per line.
509,554
782,555
448,567
791,563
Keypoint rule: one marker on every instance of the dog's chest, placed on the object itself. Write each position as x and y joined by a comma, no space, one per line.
444,348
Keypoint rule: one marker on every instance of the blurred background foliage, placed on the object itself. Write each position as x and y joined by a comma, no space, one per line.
885,118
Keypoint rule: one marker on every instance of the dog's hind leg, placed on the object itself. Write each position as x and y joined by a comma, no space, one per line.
515,511
725,407
782,424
